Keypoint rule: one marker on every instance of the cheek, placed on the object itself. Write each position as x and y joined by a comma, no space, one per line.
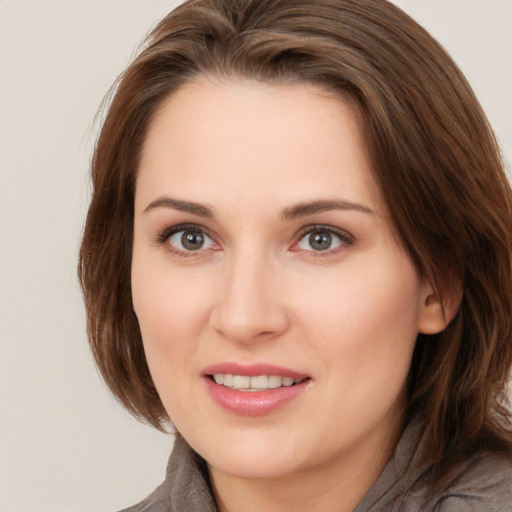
165,300
172,316
172,312
365,321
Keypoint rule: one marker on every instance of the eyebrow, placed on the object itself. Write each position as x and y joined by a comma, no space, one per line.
290,213
183,206
309,208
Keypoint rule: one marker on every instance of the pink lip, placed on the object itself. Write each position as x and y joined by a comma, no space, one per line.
253,403
252,370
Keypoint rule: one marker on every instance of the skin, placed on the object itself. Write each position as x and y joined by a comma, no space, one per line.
258,291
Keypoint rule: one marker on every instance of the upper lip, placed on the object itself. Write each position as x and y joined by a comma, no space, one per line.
252,370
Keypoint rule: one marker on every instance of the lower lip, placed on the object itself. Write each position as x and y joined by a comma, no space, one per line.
254,403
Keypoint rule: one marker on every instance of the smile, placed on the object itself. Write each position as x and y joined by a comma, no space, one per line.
254,383
254,389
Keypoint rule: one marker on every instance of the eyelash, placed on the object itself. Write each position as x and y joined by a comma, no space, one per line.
164,236
345,238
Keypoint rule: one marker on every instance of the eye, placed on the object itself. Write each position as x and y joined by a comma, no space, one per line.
189,240
323,239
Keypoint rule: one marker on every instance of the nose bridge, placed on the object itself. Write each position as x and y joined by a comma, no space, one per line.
249,305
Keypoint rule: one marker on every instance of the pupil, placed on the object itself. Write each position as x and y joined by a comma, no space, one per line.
320,241
192,241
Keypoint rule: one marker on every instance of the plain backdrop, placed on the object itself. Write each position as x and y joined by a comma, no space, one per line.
65,445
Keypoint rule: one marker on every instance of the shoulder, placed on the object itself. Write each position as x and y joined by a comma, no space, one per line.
186,485
157,501
483,484
479,483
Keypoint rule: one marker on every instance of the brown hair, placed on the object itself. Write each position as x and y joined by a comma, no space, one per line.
434,156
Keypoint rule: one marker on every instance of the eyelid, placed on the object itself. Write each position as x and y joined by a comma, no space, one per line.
166,233
347,240
163,236
344,236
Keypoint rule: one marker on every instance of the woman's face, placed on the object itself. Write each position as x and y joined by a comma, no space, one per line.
264,259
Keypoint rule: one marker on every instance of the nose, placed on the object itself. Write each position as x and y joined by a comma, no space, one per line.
249,306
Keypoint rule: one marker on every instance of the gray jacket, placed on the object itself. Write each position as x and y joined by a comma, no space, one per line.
482,484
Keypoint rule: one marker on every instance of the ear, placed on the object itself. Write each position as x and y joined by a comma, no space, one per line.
436,311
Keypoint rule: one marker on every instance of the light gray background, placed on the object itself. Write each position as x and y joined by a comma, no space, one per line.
64,445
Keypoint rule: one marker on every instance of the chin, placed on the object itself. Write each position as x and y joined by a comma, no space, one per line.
254,469
249,457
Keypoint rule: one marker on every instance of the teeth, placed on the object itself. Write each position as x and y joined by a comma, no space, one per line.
274,381
241,382
260,382
288,381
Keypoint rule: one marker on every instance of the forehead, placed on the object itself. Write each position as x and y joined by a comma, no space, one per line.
237,138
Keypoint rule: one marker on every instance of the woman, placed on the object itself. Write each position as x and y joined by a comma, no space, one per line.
298,251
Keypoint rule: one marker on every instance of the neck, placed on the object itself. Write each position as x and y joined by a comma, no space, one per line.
336,486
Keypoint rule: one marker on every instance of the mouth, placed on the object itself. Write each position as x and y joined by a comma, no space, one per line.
254,383
254,390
